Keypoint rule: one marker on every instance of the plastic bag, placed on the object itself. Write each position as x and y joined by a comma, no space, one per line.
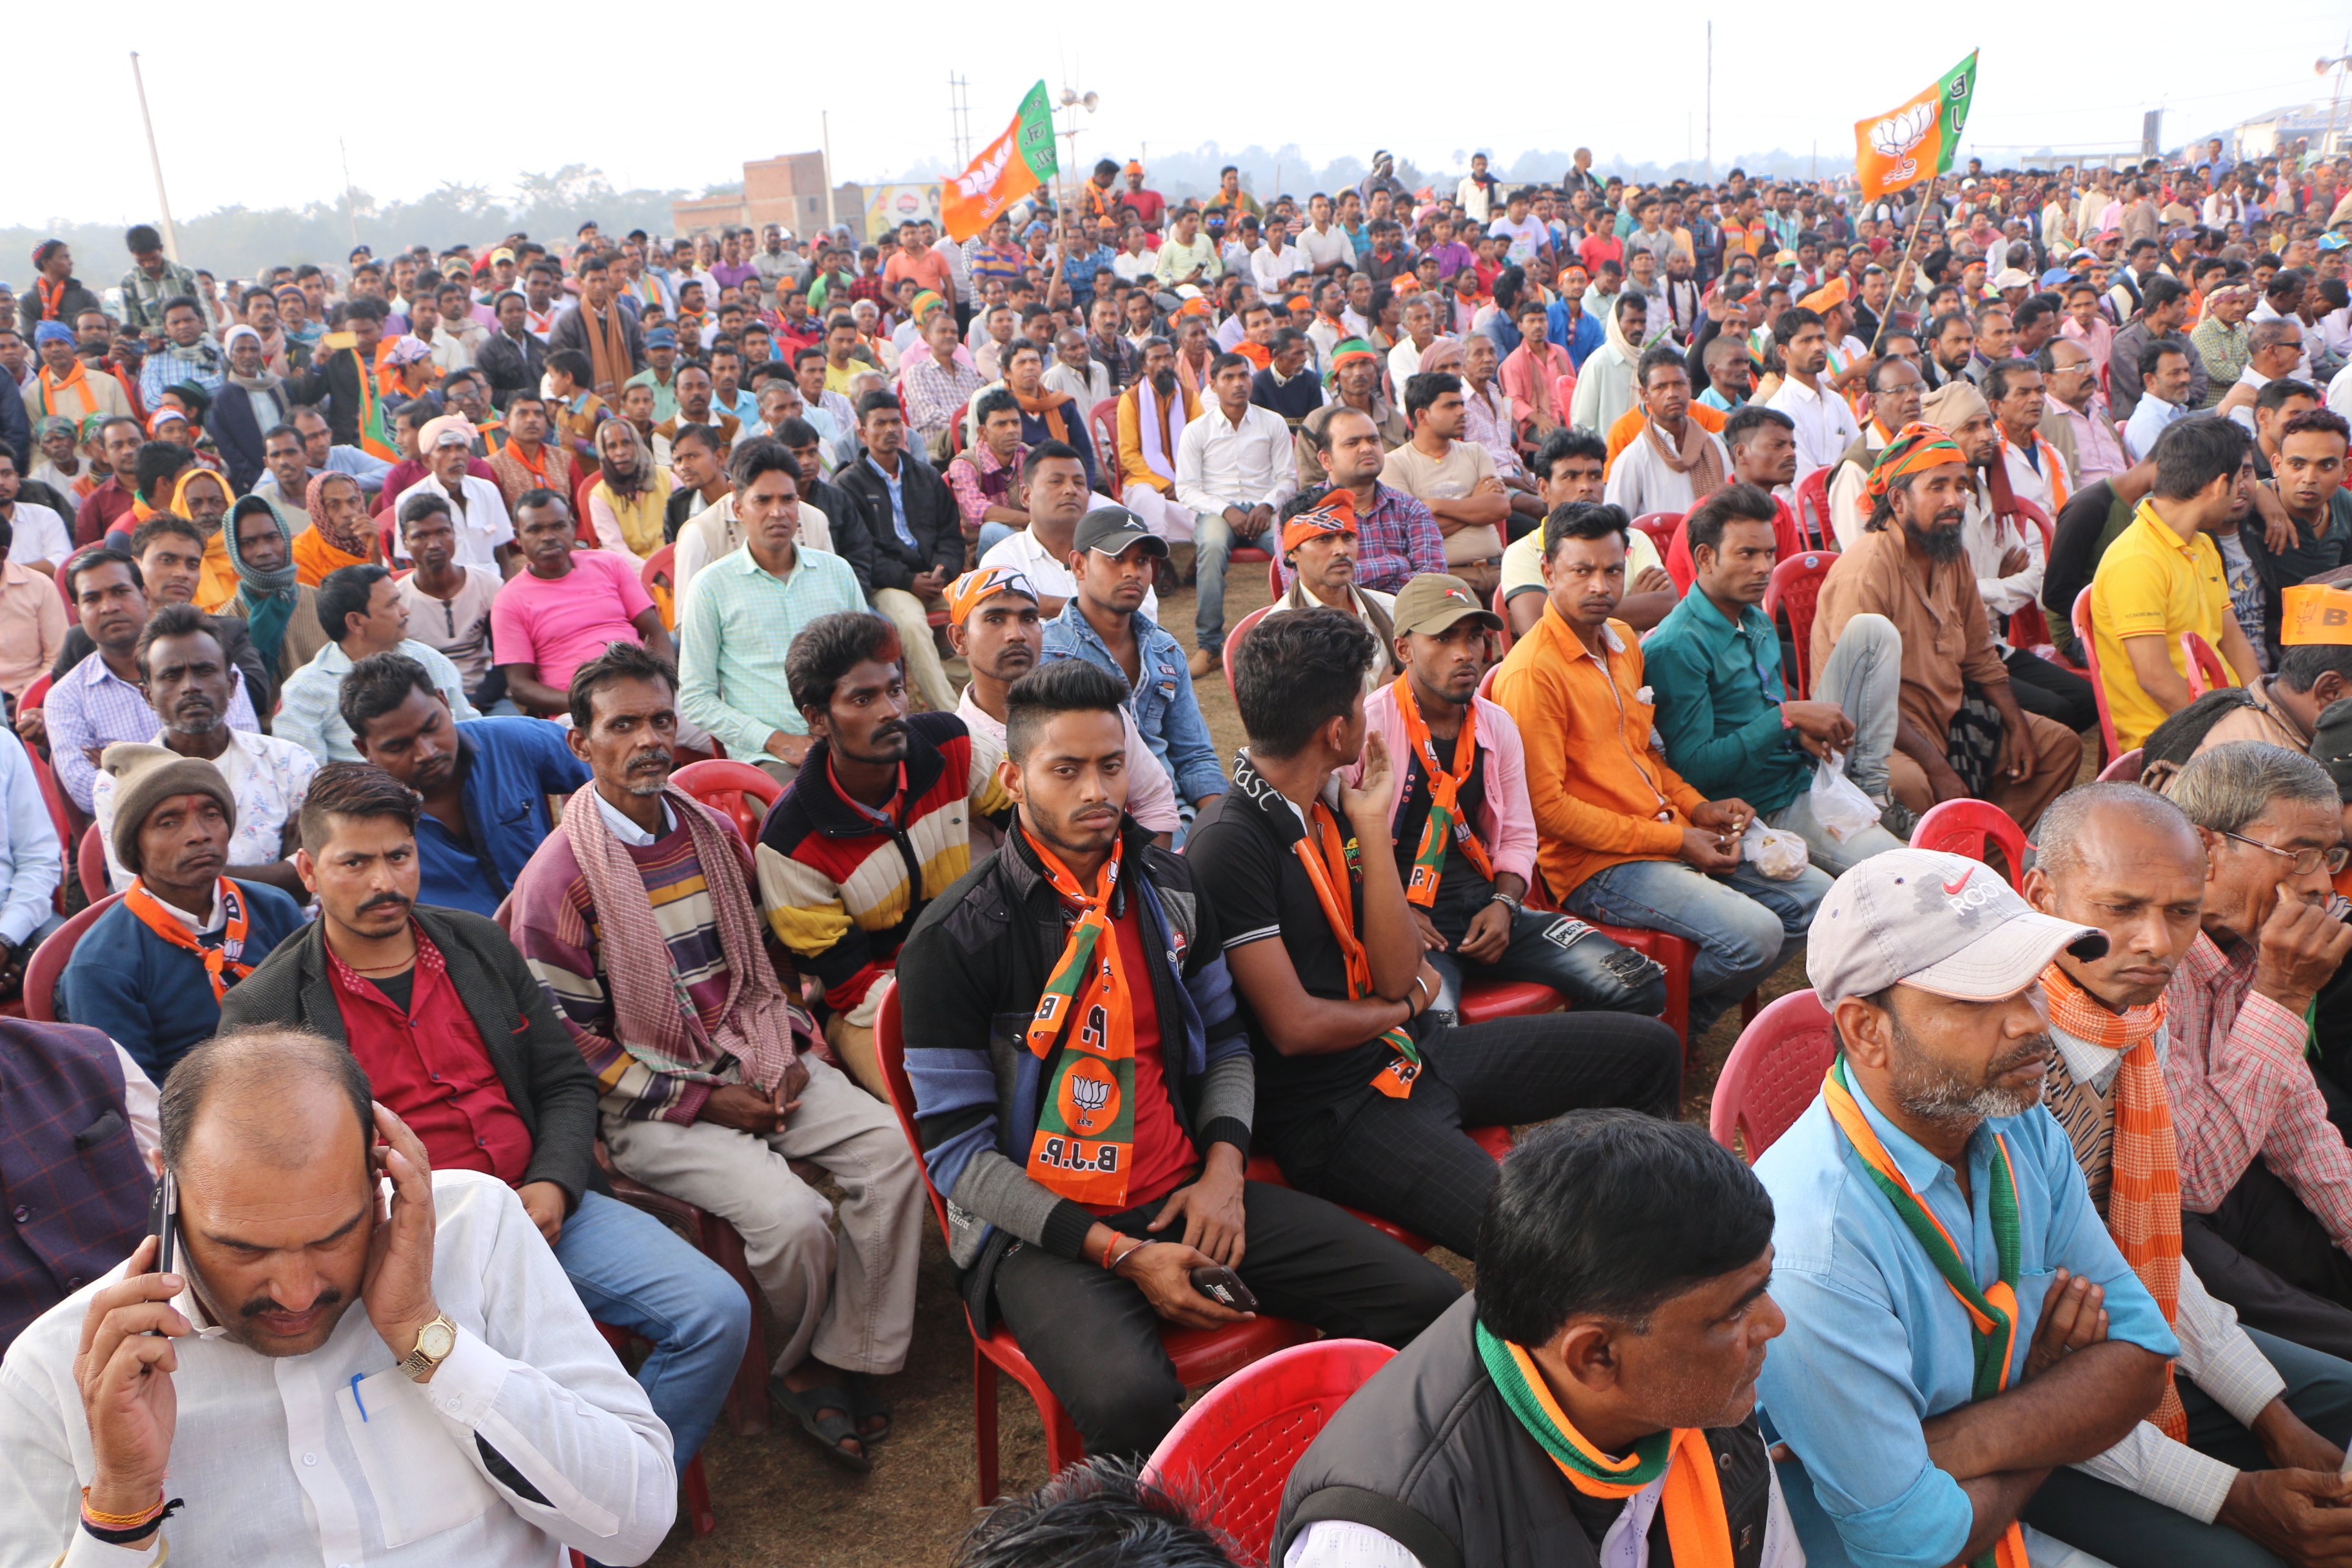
1838,802
1777,854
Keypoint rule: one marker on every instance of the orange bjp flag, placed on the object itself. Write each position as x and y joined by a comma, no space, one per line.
1007,169
1917,141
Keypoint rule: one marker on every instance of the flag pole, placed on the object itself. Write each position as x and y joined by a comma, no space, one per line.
1902,266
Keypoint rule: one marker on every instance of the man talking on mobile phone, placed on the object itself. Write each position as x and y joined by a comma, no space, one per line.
237,1410
1084,1093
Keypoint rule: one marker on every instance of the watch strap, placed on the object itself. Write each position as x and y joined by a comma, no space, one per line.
419,1361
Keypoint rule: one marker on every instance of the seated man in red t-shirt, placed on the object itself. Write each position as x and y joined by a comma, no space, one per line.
1763,446
564,608
1087,1113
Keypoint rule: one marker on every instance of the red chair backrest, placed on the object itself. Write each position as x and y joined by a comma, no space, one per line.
2125,768
1104,417
1813,508
1660,526
1274,585
2090,646
90,864
1772,1074
1503,640
1795,589
386,537
732,788
1233,642
2207,669
49,962
890,1058
1965,826
1232,1454
656,576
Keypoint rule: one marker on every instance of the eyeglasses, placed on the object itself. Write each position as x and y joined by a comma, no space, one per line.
2307,861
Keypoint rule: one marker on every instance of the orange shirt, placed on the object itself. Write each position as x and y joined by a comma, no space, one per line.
1629,425
1602,793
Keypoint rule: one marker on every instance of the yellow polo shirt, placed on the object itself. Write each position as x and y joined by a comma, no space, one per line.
2151,583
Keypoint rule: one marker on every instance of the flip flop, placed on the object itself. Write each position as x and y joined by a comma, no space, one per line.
867,1403
829,1430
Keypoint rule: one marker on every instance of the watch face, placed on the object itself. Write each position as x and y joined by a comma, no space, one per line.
435,1339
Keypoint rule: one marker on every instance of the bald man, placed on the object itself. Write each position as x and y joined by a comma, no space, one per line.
469,1412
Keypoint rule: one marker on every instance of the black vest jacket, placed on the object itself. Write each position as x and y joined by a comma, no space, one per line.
1428,1454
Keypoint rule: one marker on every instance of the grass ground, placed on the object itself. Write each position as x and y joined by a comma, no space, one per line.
781,1504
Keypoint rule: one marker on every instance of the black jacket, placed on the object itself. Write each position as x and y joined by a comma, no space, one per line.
15,425
1428,1454
570,331
931,518
237,432
333,379
511,367
538,1066
76,300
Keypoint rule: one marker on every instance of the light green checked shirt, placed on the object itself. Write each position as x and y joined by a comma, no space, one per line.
309,710
737,622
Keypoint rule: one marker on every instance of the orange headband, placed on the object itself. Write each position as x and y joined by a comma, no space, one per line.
1335,514
966,593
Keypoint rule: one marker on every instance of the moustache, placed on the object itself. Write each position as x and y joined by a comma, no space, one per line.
651,761
262,1304
386,901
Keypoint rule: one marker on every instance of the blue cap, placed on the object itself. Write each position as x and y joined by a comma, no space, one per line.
661,338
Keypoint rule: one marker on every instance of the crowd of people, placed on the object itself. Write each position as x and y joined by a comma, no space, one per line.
357,620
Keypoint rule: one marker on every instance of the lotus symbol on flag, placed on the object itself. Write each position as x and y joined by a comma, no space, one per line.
1902,131
1091,1094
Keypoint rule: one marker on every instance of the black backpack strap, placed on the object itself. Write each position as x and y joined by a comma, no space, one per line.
1374,1510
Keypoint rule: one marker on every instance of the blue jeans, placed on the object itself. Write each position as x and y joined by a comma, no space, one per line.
990,533
1213,539
1743,924
635,1273
1593,973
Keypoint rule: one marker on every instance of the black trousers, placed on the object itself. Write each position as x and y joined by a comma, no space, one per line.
2042,688
2129,1532
1097,1340
1408,1160
2267,1255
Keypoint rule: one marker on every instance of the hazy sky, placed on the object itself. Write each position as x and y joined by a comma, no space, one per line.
2079,85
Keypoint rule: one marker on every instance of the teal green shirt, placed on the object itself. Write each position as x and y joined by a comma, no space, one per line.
1719,694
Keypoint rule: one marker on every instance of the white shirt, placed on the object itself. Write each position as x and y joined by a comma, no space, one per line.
335,1458
1220,464
39,533
267,777
2340,392
1641,481
1404,363
479,514
1321,247
1343,1543
2150,416
1089,389
2216,1354
1472,198
1151,793
1270,269
1986,538
1050,573
1825,425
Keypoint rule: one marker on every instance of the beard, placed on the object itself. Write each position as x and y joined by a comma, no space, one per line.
1939,538
1934,1091
1164,381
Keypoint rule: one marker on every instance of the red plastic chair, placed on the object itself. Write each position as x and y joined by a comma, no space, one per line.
1503,640
2029,628
1967,827
1772,1074
1661,526
1795,589
1231,1456
707,1233
2125,768
1814,508
2090,646
655,576
1201,1355
692,1484
1104,418
90,864
2208,671
1274,585
49,962
739,791
1234,641
1251,553
386,536
1484,1001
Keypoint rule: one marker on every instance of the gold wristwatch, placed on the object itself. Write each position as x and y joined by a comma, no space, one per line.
435,1340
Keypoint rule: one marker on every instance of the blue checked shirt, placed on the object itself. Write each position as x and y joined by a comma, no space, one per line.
92,708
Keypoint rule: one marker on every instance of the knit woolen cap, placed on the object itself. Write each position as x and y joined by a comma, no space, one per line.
147,775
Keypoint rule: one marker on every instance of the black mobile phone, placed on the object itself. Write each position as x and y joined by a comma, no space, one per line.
1224,1287
164,1221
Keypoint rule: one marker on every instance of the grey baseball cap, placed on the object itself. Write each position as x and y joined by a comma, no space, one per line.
1945,923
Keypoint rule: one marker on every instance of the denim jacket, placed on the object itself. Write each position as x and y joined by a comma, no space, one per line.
1161,701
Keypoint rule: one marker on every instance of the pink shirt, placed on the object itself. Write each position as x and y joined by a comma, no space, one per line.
1507,819
561,623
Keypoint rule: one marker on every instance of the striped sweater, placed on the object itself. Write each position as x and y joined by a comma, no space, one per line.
552,920
840,890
